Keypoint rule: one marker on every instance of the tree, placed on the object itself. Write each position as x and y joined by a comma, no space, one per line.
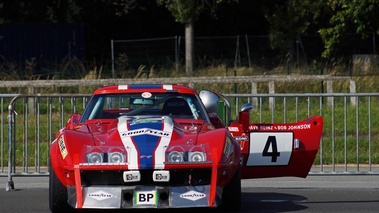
359,16
187,12
289,19
53,11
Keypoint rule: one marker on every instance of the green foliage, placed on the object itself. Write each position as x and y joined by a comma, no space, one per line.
289,19
358,16
184,11
188,11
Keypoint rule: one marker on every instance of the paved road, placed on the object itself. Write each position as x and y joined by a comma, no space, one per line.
316,193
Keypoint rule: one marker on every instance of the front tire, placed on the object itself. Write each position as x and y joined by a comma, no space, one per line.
231,194
57,194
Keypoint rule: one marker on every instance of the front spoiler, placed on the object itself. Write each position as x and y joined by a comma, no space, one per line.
126,197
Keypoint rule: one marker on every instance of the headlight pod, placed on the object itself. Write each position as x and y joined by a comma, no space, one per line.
196,157
175,157
112,157
116,157
95,157
103,154
188,154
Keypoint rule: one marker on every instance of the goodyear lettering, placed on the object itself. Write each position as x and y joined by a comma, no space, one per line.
146,131
100,195
192,195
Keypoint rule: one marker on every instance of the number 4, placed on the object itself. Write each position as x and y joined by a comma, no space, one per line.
274,154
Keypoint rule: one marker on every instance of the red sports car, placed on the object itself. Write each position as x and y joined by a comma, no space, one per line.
164,146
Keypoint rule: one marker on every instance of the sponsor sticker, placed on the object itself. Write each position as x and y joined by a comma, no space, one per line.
161,176
146,95
131,176
146,131
62,147
100,195
233,129
270,149
145,197
193,195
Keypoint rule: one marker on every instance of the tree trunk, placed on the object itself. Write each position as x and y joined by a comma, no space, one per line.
189,48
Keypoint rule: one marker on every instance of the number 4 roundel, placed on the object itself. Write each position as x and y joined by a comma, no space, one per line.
270,148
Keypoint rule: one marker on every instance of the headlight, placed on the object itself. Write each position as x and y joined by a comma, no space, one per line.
116,157
103,155
175,157
188,154
196,157
95,157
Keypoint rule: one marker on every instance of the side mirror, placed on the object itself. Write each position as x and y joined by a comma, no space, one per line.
73,120
210,100
246,107
244,116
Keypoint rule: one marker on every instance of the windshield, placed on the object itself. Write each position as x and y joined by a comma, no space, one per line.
111,106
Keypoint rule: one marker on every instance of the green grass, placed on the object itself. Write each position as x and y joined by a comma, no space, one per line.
356,148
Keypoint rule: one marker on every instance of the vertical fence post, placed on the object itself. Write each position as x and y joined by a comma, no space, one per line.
271,90
10,184
329,89
254,91
353,99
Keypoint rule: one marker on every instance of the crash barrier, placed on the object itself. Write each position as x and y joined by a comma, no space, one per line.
349,145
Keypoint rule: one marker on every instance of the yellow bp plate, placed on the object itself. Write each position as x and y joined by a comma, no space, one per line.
145,198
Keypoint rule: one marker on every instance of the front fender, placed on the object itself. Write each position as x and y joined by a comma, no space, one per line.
65,152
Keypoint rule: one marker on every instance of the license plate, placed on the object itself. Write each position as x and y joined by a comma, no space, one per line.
145,198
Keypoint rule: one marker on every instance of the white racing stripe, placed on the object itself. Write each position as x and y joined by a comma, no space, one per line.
168,126
122,87
167,87
132,154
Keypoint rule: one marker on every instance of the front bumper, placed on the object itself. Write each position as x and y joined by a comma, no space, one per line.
125,197
190,186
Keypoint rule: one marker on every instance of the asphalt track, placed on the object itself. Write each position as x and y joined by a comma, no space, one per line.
316,193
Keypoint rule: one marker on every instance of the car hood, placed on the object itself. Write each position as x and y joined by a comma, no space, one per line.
137,127
143,136
146,138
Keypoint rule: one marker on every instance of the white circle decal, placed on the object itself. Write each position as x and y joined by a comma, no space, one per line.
146,95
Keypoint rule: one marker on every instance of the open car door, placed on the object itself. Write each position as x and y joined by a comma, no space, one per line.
277,150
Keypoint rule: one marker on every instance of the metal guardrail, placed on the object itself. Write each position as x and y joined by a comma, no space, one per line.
349,145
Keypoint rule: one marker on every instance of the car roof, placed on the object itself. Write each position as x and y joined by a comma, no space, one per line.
140,88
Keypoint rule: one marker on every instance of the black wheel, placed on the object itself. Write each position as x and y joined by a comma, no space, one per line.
57,194
231,194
